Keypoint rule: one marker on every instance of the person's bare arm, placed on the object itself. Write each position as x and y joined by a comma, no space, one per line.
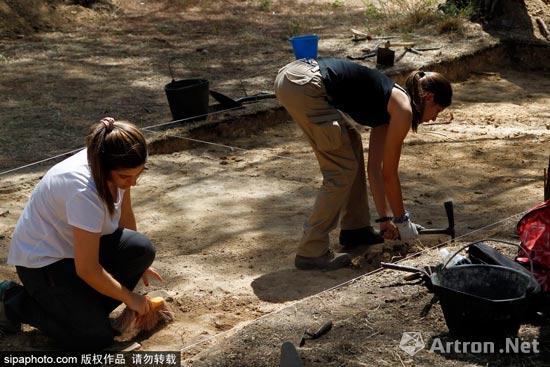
88,268
377,142
127,218
400,123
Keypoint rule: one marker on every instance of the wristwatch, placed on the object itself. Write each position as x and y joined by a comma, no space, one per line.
402,219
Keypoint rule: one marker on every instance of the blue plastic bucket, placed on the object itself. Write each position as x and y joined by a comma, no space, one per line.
305,47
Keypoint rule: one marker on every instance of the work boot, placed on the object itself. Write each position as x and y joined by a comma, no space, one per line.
351,238
328,261
7,326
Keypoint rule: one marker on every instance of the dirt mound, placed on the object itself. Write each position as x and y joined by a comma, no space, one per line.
520,18
25,16
22,17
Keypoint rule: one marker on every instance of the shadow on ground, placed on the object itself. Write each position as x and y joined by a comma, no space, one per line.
292,284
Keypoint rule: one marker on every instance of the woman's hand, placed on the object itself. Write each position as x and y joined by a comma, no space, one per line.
388,230
138,303
150,272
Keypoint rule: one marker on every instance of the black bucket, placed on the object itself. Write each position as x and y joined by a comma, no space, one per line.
187,97
482,302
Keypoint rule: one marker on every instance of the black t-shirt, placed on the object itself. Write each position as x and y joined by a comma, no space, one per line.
357,90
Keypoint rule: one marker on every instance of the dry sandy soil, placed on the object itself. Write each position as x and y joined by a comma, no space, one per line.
226,221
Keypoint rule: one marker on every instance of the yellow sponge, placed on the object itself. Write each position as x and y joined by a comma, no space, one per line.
156,302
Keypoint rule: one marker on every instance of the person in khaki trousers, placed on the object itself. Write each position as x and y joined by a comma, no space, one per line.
322,96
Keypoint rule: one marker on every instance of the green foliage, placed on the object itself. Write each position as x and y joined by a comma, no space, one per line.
453,15
449,8
469,10
265,5
294,28
451,24
457,8
371,12
408,15
337,3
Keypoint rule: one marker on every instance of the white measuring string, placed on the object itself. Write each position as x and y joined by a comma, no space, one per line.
293,304
38,162
350,281
162,124
147,128
175,135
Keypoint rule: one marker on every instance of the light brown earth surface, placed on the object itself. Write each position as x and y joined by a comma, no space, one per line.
226,222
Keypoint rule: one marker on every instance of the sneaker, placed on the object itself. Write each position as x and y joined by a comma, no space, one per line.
328,261
7,326
350,238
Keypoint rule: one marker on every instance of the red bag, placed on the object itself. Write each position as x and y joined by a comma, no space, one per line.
534,231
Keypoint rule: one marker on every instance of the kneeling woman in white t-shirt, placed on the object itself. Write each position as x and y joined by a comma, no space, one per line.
75,247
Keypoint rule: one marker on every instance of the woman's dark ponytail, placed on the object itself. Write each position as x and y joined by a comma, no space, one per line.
419,83
113,145
414,88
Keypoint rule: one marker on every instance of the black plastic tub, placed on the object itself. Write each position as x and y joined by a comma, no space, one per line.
482,302
188,98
